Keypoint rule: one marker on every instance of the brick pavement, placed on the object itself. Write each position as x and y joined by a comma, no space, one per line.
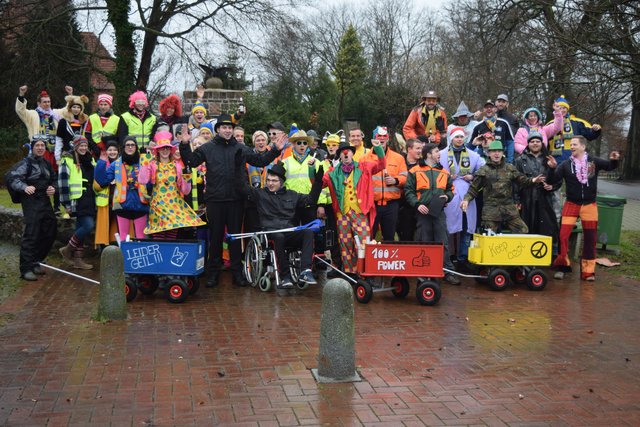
569,355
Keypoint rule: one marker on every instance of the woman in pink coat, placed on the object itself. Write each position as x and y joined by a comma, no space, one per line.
533,122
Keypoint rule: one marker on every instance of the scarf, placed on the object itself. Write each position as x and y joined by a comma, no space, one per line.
463,161
300,157
131,159
491,123
581,168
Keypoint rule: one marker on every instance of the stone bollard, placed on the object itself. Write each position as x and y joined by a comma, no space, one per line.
113,303
337,357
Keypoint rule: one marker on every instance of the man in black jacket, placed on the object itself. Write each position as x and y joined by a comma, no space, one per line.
224,201
277,210
35,180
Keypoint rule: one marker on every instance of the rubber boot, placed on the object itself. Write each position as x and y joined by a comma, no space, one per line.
67,254
79,263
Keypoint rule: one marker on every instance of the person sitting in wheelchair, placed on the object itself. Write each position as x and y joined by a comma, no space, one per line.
277,210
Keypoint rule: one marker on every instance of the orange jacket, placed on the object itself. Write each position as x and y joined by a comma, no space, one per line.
397,168
415,124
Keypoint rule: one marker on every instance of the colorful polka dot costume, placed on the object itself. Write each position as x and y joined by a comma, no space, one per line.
168,209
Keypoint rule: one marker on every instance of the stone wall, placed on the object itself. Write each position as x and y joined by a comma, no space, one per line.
217,101
12,226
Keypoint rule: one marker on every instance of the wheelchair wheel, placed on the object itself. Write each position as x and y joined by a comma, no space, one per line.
253,261
399,287
130,289
294,268
428,292
147,284
177,291
264,283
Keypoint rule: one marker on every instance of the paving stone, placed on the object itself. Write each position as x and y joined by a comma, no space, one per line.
564,356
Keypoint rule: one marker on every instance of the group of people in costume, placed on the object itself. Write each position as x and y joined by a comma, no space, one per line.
173,176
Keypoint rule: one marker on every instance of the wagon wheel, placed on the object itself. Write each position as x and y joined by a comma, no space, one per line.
147,284
177,291
498,279
482,271
536,280
519,275
130,289
193,283
399,287
253,261
364,291
428,292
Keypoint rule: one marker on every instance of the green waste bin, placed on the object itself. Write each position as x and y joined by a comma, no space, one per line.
610,209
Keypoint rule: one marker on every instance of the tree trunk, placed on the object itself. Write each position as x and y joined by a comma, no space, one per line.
144,71
124,74
632,153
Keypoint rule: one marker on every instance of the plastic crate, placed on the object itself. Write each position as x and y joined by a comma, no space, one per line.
510,249
175,257
404,259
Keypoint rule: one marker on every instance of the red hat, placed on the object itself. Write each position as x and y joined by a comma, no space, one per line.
456,131
103,97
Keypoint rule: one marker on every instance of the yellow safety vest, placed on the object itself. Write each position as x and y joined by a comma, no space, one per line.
98,131
75,178
102,196
141,131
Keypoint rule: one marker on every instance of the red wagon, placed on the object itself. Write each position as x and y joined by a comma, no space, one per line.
400,261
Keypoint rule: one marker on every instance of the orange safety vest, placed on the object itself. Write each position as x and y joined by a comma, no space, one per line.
397,168
423,183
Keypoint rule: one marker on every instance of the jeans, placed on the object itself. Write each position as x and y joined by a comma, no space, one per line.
84,226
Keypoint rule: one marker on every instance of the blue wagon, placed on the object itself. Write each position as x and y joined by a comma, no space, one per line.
172,265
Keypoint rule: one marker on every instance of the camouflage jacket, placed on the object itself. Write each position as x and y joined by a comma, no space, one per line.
496,181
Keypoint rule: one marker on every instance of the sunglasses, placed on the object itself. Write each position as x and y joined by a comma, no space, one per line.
129,145
273,133
302,143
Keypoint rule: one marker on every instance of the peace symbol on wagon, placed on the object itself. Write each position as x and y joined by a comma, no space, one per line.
539,249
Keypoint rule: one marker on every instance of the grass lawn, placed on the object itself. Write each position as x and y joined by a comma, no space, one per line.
5,199
629,255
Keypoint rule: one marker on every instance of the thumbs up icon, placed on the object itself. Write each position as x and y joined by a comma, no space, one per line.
422,260
178,258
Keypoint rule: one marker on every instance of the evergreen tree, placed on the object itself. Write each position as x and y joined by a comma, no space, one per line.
46,52
350,68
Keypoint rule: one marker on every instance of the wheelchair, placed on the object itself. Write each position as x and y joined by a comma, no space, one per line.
260,264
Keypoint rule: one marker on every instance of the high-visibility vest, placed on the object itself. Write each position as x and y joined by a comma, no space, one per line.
141,131
298,178
395,167
120,177
423,181
75,178
98,131
102,196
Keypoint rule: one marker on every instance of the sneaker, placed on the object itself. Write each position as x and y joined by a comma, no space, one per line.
591,279
38,270
30,276
307,277
285,281
559,275
452,279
